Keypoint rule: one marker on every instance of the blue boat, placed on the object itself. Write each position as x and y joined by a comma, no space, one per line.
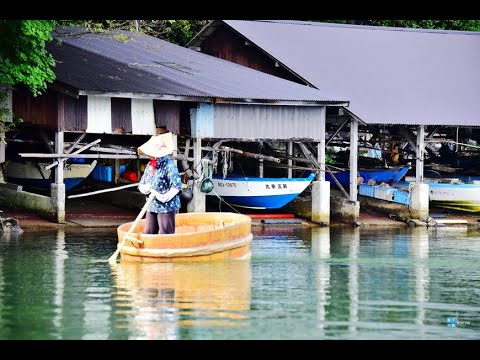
35,175
259,193
383,175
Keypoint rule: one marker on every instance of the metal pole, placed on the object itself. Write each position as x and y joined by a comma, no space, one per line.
103,191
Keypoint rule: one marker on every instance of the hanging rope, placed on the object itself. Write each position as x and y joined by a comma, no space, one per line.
226,162
222,200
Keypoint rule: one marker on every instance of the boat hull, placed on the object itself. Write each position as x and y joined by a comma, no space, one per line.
197,237
35,175
389,175
449,193
259,193
460,197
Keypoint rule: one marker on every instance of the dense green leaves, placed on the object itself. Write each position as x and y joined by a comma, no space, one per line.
23,60
23,57
175,31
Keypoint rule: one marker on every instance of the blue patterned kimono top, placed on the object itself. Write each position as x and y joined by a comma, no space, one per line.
163,179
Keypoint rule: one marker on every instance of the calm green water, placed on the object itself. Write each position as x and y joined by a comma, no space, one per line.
301,283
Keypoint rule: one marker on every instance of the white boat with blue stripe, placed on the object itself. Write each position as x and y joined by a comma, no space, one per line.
259,193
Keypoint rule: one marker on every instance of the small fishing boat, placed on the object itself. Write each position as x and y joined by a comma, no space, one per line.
453,193
259,193
389,176
197,237
33,174
456,196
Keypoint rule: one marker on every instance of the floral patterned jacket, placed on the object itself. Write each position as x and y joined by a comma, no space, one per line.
164,177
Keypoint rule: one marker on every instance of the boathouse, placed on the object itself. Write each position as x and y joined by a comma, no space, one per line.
115,89
416,85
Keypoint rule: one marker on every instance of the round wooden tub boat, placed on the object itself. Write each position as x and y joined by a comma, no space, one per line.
198,237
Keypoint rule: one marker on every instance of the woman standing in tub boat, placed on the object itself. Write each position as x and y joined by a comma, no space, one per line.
161,174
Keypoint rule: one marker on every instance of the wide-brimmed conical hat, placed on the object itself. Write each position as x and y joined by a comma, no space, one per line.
158,146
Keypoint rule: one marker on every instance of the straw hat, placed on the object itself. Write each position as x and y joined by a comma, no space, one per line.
158,146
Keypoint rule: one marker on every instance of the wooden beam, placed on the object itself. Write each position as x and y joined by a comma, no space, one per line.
243,153
94,156
433,132
148,96
55,163
337,131
279,102
408,135
102,191
76,142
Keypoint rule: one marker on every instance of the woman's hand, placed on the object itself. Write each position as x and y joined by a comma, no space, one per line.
167,196
144,188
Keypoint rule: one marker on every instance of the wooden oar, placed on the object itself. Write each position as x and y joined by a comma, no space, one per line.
113,258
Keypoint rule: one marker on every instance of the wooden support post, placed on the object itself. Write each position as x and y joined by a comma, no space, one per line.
197,204
290,161
2,148
320,187
57,190
353,164
322,157
260,161
116,173
175,147
139,171
420,153
59,150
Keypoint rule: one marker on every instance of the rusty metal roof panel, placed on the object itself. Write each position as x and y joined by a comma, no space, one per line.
391,75
125,62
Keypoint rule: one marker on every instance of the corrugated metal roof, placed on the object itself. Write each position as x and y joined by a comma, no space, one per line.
391,75
129,62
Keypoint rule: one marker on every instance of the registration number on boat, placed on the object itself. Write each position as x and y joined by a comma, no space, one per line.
227,184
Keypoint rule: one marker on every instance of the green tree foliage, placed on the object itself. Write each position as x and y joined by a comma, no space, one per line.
175,31
23,57
463,25
23,60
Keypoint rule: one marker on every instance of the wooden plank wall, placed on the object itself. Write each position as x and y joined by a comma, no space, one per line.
223,43
95,114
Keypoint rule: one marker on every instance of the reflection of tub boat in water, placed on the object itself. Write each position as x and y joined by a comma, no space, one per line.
197,237
35,175
181,294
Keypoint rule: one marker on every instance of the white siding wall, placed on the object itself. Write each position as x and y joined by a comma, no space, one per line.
143,118
268,121
99,114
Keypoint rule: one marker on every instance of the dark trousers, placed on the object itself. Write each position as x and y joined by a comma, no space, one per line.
159,223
